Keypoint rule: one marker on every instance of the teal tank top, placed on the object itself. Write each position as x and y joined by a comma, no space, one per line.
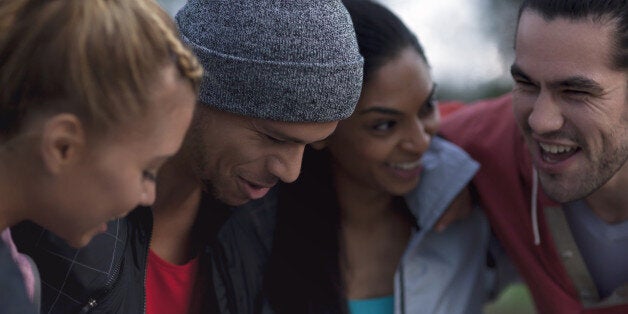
383,305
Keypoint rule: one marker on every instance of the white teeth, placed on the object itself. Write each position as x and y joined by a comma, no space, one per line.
556,149
406,165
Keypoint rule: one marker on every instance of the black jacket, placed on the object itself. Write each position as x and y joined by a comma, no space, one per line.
109,274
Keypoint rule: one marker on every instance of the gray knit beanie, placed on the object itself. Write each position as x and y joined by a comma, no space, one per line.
285,60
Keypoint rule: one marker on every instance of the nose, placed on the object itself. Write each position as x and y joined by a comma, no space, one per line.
417,138
287,165
546,116
147,198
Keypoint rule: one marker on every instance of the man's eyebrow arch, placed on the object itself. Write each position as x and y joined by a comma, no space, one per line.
578,82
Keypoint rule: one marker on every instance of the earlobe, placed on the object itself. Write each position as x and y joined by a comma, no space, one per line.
63,140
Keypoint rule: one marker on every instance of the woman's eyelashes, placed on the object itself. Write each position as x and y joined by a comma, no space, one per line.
428,108
383,126
149,175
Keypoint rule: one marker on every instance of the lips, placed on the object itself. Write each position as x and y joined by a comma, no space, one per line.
405,165
555,157
405,170
253,190
556,153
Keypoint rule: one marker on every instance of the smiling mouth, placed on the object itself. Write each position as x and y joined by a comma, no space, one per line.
405,165
556,153
259,186
255,191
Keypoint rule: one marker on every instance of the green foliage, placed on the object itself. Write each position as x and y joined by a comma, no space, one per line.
515,299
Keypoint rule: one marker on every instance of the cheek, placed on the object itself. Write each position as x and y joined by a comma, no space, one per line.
432,124
520,111
122,191
362,154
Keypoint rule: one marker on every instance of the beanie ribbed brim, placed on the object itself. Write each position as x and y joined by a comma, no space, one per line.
242,86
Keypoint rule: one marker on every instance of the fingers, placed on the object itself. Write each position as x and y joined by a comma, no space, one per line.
459,209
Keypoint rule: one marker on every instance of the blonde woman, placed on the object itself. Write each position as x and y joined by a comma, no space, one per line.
96,95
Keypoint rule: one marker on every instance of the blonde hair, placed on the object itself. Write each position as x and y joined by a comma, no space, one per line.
98,59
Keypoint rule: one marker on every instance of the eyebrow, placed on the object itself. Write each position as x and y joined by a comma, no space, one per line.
579,82
382,110
393,112
575,82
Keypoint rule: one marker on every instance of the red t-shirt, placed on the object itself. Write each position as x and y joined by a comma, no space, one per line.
169,286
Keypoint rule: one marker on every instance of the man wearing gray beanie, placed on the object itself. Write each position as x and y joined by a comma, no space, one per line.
279,74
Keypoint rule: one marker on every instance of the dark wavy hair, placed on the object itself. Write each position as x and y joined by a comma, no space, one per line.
599,11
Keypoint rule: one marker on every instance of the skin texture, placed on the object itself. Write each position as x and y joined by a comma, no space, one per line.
391,128
236,158
92,179
569,97
239,158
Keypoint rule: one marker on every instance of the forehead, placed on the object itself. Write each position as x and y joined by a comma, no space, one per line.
298,132
562,47
406,70
403,80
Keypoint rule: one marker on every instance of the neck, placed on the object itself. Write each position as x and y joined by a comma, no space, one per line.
175,209
177,188
13,207
610,202
360,205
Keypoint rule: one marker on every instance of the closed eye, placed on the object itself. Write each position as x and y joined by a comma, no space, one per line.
274,139
576,92
523,82
524,85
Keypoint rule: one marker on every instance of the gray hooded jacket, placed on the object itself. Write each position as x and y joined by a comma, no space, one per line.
442,272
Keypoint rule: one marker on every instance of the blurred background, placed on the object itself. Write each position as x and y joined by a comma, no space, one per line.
469,44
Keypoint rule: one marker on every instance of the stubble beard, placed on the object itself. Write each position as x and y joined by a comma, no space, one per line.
589,181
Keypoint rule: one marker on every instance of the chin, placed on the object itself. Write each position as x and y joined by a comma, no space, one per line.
403,190
78,243
233,201
226,196
80,240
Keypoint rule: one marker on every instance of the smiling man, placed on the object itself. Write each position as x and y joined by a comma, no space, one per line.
553,178
278,76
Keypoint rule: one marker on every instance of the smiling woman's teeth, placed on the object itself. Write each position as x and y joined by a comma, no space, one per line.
405,165
556,149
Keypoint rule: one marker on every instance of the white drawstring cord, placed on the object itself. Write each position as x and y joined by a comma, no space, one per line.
533,209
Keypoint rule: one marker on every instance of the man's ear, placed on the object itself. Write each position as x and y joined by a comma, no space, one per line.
63,141
319,145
